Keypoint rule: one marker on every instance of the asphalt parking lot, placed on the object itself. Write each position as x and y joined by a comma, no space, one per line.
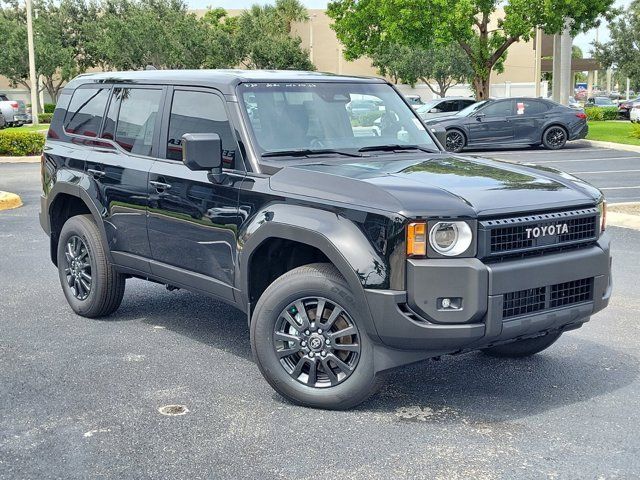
79,398
615,172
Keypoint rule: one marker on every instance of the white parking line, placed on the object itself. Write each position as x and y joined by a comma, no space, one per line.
584,160
619,188
604,171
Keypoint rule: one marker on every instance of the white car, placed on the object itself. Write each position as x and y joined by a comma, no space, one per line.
634,113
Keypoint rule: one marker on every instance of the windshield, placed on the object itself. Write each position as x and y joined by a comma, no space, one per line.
305,117
428,105
474,107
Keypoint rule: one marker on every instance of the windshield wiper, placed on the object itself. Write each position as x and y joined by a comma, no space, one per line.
391,148
305,152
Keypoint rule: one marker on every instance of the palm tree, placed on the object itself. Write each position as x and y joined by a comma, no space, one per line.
291,11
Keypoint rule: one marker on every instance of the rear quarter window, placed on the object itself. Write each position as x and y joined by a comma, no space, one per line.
85,112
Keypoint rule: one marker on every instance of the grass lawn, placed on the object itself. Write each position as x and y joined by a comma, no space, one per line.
43,127
618,132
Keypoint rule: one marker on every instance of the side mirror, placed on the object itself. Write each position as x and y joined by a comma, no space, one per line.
203,151
479,117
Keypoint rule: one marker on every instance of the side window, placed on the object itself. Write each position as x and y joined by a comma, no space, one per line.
530,107
449,106
85,111
465,103
199,112
137,119
498,109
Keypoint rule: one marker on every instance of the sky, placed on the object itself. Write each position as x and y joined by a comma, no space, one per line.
583,40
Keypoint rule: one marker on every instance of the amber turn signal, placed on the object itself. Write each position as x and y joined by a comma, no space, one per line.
417,239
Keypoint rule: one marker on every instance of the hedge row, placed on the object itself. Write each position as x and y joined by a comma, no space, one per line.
45,117
49,107
20,143
601,113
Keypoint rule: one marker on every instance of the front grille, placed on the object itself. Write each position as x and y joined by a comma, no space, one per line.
523,302
533,233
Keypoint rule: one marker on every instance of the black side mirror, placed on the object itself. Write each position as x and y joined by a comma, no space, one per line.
203,151
479,117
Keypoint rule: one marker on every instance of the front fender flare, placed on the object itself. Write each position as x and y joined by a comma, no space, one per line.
337,237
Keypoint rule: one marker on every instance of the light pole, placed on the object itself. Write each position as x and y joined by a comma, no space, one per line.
33,81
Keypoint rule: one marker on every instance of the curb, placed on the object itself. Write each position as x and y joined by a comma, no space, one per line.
624,215
612,145
29,159
9,200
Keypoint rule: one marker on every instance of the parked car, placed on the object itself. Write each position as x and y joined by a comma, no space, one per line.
13,111
634,113
513,121
349,254
599,102
624,108
414,99
443,107
362,107
573,103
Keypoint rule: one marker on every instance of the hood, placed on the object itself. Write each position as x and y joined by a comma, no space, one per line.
438,184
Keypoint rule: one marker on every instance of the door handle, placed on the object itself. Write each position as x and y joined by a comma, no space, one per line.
160,186
95,173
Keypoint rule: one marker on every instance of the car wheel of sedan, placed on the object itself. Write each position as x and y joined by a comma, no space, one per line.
308,340
554,138
455,141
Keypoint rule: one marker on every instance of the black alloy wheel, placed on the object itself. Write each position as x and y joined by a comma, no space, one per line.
555,138
317,342
454,141
78,268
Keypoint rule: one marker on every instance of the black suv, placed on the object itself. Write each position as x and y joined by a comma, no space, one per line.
353,247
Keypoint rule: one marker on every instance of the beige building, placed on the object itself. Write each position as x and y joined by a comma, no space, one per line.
326,53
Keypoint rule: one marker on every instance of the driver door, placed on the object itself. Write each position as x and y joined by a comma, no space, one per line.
492,123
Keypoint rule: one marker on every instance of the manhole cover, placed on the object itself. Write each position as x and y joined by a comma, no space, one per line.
173,410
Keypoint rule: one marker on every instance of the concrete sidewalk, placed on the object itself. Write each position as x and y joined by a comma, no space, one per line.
29,159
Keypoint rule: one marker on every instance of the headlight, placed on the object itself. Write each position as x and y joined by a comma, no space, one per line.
450,238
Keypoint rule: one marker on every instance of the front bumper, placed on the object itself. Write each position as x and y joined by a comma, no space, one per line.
416,320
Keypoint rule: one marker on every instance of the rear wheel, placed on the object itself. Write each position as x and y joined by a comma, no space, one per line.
554,137
523,348
455,141
307,338
91,285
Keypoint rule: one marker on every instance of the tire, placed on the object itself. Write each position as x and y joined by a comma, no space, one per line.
106,285
554,137
455,141
303,286
523,348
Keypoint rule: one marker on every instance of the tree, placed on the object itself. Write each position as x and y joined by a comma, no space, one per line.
446,65
623,49
263,39
484,29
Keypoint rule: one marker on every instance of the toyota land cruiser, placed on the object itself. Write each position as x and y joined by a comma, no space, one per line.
352,240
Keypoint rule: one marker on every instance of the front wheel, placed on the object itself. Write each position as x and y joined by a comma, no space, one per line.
455,141
554,138
523,348
309,342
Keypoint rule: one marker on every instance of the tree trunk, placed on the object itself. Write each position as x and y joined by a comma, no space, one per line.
482,88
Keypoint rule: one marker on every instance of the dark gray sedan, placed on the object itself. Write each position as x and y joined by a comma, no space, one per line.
513,121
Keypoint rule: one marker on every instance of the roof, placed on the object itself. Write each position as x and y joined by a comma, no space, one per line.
224,80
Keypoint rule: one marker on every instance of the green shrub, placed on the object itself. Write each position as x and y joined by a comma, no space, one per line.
635,130
594,114
365,119
610,113
49,107
45,117
19,143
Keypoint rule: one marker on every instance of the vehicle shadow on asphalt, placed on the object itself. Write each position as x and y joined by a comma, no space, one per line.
473,386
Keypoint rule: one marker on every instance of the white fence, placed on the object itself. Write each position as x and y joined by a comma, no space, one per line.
498,90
